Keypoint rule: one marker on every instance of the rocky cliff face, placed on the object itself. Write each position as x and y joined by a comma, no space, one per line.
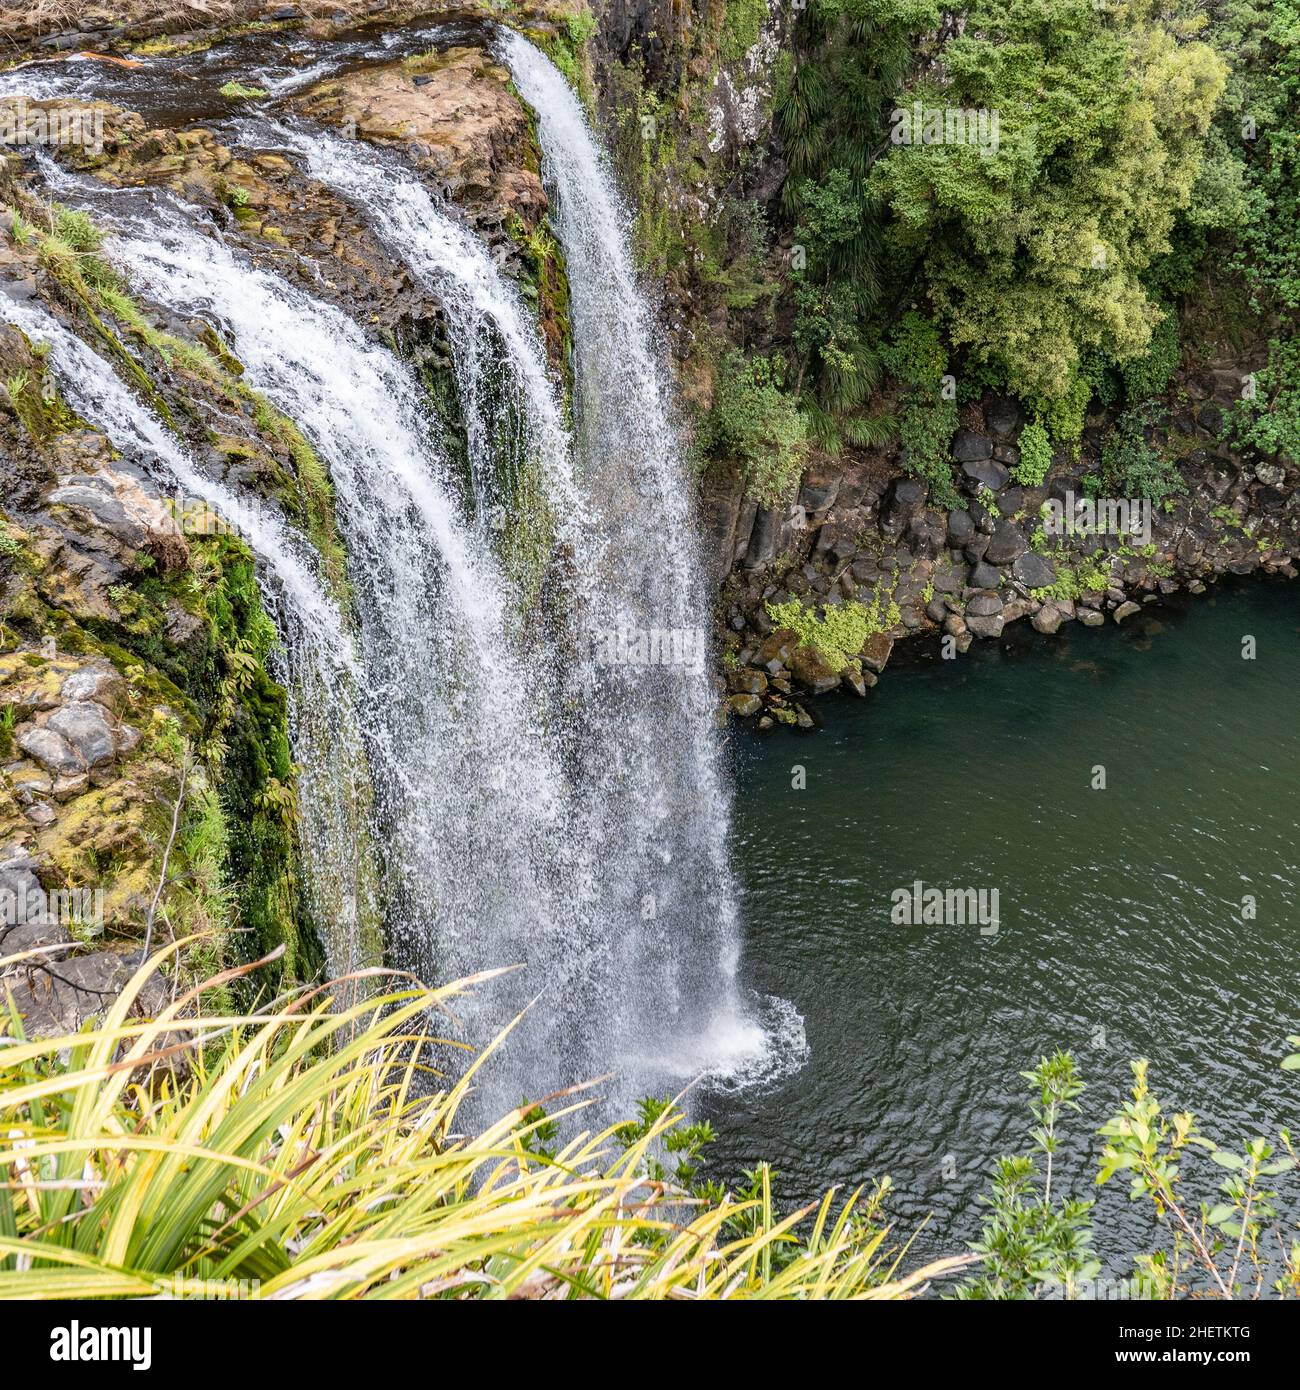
864,535
146,784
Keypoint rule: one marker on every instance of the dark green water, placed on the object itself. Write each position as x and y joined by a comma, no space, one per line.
1121,931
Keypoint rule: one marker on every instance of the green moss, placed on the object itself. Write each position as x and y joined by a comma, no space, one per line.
567,49
741,26
310,501
841,631
245,735
39,409
237,91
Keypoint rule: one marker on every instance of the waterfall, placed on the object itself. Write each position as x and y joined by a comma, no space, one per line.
655,978
470,800
647,557
545,764
321,665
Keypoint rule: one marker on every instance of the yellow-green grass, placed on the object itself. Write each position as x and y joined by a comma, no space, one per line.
307,1150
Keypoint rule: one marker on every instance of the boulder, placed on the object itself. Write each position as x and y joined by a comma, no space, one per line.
85,726
60,997
985,576
851,679
876,651
49,748
1126,611
777,649
102,684
745,705
988,473
961,527
989,626
906,498
983,605
747,681
1006,544
969,447
1003,415
948,578
1034,571
1048,619
1011,501
813,670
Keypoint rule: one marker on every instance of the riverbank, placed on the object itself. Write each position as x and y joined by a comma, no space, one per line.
819,592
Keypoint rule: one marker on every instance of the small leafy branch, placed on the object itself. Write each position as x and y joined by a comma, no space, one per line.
1028,1241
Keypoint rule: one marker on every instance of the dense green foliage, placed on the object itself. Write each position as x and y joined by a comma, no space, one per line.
305,1150
1130,464
841,630
1035,455
927,413
757,424
1034,250
1056,188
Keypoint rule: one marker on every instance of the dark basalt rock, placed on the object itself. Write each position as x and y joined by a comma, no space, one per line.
961,527
1033,571
987,473
983,605
1003,415
969,447
904,502
1006,544
1011,501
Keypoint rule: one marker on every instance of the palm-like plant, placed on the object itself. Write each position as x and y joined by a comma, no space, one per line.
833,118
304,1151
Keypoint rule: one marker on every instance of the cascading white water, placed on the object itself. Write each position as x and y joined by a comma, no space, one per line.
472,804
321,663
649,566
493,338
653,989
538,799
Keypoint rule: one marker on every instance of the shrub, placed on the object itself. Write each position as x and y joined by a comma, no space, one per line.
1270,420
1033,1244
927,419
1131,466
1035,455
755,423
841,630
1147,376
